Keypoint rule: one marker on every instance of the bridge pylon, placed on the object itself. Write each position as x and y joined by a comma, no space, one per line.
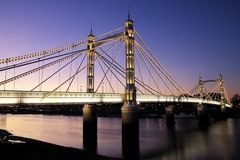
201,88
130,89
130,104
89,110
90,62
130,111
221,89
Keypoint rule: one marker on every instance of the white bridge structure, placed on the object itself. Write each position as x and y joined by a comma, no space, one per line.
35,98
99,61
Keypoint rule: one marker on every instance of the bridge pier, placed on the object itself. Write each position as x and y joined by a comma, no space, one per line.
170,115
90,127
130,132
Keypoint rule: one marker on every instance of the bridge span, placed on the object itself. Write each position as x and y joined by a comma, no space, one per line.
44,97
138,75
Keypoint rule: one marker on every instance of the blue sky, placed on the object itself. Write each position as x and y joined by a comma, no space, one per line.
189,37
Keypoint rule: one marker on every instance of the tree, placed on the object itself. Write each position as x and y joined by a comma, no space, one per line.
235,100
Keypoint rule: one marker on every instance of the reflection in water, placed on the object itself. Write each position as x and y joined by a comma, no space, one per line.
90,128
90,136
172,141
216,142
220,140
130,135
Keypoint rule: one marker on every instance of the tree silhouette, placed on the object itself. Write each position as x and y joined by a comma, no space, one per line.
235,100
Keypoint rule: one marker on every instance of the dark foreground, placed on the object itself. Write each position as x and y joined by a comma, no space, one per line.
14,147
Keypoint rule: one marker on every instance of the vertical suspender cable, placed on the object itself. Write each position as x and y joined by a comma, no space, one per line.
77,69
109,82
41,78
14,79
59,76
70,73
77,76
39,74
5,76
140,73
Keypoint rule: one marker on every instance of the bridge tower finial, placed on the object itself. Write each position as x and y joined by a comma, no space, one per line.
129,12
91,29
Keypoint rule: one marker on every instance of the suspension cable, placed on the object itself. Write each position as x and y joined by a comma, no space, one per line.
5,77
52,50
41,78
70,71
225,93
39,74
79,67
78,90
208,94
150,72
57,71
113,72
44,56
159,63
194,89
109,38
45,52
77,73
139,70
106,77
36,69
149,59
118,68
38,60
118,71
14,79
59,75
107,33
107,69
153,68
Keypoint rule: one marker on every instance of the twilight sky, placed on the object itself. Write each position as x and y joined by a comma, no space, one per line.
189,37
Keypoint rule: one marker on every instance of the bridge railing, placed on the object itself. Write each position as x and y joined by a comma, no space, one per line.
37,97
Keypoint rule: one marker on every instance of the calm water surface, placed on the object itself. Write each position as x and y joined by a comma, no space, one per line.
221,140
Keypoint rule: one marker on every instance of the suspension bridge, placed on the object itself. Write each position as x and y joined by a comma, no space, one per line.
113,67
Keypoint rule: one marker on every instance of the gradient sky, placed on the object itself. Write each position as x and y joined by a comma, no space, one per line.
189,37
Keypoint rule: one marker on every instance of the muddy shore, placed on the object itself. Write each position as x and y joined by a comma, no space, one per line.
20,148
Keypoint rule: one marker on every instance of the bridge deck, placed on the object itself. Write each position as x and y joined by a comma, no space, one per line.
44,97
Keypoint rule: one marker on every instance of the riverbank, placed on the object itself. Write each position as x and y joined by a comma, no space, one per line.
15,147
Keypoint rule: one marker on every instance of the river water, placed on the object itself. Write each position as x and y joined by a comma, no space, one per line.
220,140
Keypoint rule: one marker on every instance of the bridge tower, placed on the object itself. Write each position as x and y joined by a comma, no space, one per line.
130,89
201,87
90,62
201,109
130,111
221,88
89,110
